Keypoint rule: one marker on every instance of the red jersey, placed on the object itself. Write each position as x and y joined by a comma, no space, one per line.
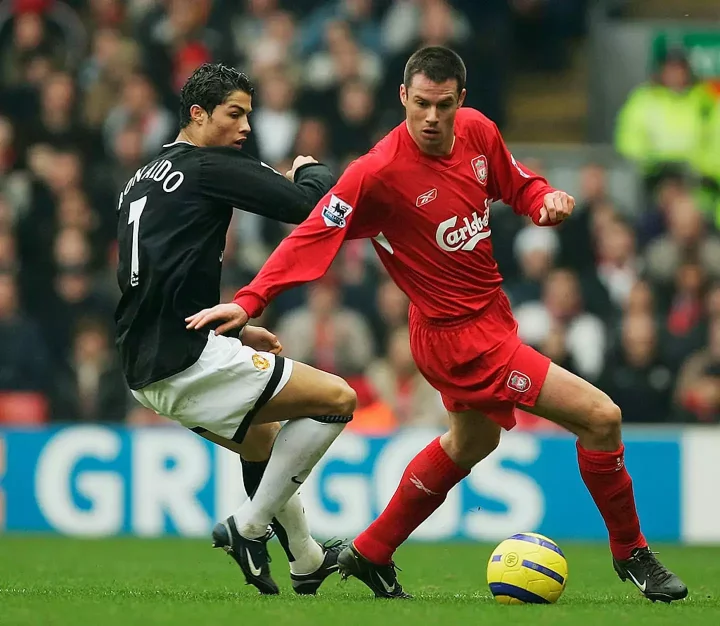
428,217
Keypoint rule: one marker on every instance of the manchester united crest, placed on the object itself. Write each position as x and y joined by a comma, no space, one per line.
480,167
260,362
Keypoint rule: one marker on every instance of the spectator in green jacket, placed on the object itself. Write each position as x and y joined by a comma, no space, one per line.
663,122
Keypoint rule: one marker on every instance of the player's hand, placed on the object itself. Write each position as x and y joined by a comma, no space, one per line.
260,339
297,163
557,207
233,316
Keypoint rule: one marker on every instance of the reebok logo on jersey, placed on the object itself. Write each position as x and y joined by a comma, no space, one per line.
336,212
467,236
426,198
517,381
480,167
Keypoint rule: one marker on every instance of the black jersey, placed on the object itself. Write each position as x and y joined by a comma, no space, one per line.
173,217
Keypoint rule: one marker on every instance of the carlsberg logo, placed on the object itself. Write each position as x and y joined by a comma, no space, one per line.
467,235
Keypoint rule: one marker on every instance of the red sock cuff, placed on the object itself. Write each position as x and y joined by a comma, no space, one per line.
446,469
599,461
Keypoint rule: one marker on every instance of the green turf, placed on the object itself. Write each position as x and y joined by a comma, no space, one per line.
50,581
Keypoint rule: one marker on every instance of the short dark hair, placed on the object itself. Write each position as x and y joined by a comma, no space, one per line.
209,86
438,64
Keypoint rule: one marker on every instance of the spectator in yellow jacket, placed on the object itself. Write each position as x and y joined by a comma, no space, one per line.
663,122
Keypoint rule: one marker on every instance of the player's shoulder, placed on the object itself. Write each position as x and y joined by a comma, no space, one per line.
177,148
472,115
170,170
183,155
476,128
214,161
222,152
474,120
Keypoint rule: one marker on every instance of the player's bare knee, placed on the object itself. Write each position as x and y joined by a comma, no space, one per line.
347,400
342,398
468,451
605,423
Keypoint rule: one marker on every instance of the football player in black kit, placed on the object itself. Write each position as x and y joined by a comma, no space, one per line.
173,217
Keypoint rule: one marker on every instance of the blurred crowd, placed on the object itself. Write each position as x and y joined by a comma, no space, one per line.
88,93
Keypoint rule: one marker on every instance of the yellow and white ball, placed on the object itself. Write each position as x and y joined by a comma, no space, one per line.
527,568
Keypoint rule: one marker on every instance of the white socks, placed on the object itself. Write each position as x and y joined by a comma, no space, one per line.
298,447
307,552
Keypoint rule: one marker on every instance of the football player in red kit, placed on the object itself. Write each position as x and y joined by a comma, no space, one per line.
423,195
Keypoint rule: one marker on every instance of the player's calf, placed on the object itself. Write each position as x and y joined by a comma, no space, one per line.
298,447
257,445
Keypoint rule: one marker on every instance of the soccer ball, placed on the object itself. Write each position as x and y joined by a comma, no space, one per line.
527,568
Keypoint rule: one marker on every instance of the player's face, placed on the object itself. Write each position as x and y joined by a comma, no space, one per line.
228,125
430,110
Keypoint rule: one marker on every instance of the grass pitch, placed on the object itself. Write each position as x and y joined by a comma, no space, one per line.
48,581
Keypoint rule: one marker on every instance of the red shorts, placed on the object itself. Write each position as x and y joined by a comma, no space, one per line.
479,362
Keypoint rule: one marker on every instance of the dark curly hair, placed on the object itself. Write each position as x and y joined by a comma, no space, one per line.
209,86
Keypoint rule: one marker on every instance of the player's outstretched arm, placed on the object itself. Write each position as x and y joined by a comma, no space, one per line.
231,177
354,209
305,255
524,190
349,211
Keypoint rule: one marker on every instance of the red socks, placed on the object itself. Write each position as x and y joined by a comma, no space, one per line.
609,484
422,489
432,473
